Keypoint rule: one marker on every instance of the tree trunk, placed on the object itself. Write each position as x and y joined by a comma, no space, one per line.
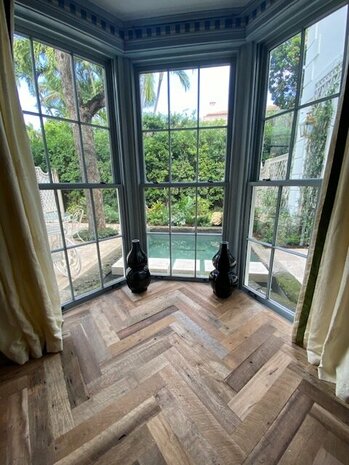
161,77
64,67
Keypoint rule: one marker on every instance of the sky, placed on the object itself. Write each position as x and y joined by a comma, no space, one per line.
214,91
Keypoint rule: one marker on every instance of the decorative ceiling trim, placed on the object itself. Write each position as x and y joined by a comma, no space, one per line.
219,25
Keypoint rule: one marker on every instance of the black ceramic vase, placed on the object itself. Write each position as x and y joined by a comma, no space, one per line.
137,273
223,279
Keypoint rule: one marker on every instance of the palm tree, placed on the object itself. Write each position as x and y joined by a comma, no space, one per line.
147,84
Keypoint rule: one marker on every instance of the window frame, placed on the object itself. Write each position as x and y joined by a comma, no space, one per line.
255,162
115,156
225,183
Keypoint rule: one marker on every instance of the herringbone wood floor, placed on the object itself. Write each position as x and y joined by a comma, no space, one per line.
174,377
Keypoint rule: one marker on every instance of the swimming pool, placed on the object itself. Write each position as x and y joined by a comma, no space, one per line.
182,248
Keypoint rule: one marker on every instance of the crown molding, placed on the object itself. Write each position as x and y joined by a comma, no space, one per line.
283,17
168,19
259,20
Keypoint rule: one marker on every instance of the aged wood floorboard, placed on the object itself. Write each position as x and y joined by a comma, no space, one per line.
175,376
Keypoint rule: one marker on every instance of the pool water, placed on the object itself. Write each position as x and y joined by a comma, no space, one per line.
183,247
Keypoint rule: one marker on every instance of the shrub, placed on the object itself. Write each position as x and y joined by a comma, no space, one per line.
85,235
158,214
111,214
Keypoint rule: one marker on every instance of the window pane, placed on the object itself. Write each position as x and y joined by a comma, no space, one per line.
206,247
288,273
214,95
257,267
112,260
324,48
263,213
33,127
183,97
53,69
313,136
183,255
276,144
157,209
210,209
51,215
64,159
212,154
159,253
283,75
183,209
107,212
97,154
88,277
183,155
154,100
60,268
156,156
24,73
296,217
91,92
77,216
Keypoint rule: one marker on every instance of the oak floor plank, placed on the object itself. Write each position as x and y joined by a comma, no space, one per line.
306,443
201,315
244,331
274,443
60,414
105,328
174,376
17,434
167,442
127,451
40,428
102,399
95,338
211,399
146,322
153,456
95,425
208,426
323,457
211,368
250,366
74,381
94,449
12,386
186,430
142,335
331,422
200,334
264,412
88,362
257,387
255,339
338,448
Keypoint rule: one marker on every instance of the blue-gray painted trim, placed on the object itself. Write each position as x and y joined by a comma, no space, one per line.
260,20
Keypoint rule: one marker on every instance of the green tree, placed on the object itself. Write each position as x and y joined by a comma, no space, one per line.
55,85
283,72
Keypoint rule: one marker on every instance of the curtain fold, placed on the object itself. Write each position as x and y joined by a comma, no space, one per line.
30,313
322,316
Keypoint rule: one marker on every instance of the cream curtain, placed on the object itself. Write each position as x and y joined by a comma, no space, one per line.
327,333
322,316
30,314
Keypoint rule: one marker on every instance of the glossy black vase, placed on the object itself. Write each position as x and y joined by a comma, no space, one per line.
223,279
137,273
